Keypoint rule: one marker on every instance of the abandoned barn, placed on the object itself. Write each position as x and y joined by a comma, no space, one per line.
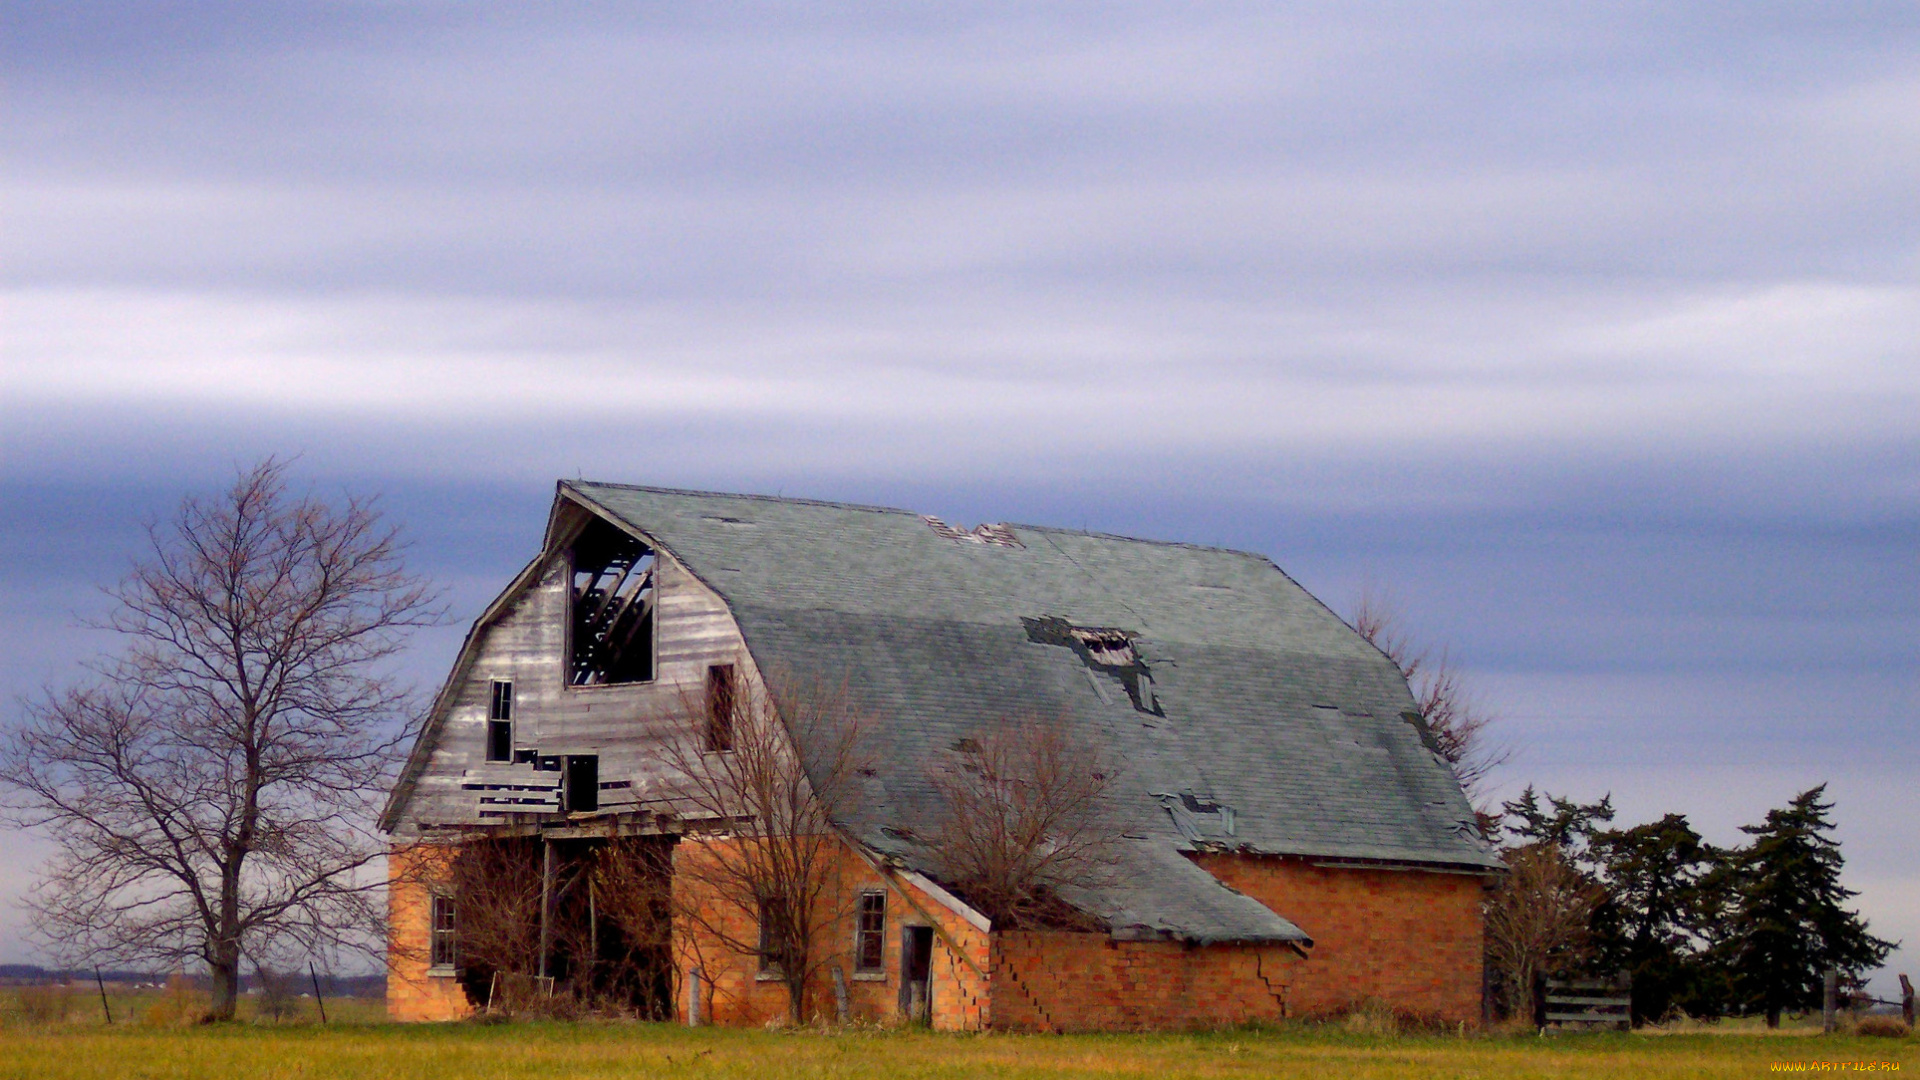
1280,837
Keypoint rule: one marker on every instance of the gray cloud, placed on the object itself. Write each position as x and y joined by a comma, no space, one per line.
1594,333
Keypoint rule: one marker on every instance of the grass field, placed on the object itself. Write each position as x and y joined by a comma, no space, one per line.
362,1047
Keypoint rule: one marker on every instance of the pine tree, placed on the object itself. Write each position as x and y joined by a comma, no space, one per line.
1649,925
1788,920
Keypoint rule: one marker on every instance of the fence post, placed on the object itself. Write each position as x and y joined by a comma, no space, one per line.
108,1009
317,999
693,997
1830,1001
1906,1000
1540,1001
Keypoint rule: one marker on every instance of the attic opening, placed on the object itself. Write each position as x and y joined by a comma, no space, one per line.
612,589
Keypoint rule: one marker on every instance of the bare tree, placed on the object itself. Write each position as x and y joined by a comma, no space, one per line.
1538,916
767,771
1023,821
1458,726
211,791
497,892
605,944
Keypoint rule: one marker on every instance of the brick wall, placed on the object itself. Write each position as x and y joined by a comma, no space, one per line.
412,993
1410,939
735,992
1061,981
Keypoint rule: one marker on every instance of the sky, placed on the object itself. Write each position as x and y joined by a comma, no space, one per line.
1588,334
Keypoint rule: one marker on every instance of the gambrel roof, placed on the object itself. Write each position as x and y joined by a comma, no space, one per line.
1246,716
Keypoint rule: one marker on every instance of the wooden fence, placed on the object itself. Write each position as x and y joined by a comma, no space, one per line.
1587,1002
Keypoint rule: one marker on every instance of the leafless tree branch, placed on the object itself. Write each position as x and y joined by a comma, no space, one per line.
1460,728
1024,821
762,866
211,790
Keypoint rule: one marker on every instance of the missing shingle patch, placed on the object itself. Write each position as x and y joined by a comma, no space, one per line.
1106,651
997,534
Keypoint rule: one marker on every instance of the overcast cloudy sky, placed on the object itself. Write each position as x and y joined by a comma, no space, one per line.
1591,333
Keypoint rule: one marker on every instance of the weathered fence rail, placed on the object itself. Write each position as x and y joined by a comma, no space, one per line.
1589,1002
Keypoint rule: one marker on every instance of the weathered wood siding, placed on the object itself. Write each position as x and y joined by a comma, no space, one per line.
623,724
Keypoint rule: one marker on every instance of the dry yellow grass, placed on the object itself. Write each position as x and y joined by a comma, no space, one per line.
459,1051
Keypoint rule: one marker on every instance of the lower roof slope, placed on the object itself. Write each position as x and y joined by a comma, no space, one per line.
1267,725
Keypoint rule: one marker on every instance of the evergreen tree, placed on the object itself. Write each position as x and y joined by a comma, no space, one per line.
1650,923
1566,824
1788,923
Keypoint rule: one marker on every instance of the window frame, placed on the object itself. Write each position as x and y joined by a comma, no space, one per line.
863,933
769,941
443,942
723,705
500,720
569,568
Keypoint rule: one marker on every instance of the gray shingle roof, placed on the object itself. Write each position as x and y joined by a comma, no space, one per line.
1268,705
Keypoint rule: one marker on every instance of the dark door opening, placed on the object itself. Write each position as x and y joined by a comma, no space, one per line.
581,787
916,973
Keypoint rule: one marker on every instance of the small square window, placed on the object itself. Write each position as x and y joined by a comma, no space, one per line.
870,943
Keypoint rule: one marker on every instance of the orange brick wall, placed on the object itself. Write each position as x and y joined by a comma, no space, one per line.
734,993
1060,981
413,994
1410,939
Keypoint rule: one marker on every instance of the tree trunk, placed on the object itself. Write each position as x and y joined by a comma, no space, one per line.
797,1001
225,979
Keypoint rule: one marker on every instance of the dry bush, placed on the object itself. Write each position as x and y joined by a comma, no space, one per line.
278,996
1537,919
496,893
1373,1019
1023,821
44,1003
1376,1019
179,1004
1883,1027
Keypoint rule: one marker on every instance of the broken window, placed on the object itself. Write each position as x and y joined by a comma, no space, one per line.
613,608
870,941
580,784
722,703
500,721
440,933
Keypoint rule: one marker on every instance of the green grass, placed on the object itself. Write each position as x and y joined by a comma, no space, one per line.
629,1050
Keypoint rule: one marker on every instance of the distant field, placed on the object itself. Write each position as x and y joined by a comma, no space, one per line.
82,1048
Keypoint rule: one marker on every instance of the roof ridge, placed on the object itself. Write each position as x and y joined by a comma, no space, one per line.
875,509
837,505
1098,535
